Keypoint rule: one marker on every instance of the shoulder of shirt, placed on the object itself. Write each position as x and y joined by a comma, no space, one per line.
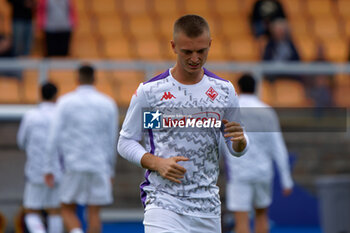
31,113
220,80
157,78
102,95
106,98
251,101
214,76
65,97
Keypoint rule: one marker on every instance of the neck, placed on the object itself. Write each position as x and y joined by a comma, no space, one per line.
184,77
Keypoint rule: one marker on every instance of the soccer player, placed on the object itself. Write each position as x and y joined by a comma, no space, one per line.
84,130
180,192
249,182
32,137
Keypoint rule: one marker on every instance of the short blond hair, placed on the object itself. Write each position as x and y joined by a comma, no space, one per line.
191,25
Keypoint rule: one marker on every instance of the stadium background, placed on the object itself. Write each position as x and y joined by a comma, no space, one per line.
128,41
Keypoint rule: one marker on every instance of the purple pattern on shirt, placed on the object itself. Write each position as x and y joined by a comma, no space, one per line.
158,77
212,75
146,182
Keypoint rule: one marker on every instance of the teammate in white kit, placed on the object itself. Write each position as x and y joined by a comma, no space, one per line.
32,137
249,183
84,130
180,192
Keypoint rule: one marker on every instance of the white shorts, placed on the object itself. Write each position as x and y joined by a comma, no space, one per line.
166,221
86,188
39,196
243,196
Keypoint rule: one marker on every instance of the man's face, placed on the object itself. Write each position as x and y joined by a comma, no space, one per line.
191,53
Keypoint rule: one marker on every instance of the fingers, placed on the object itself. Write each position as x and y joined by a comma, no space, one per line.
233,134
238,139
224,121
172,170
232,123
173,179
180,158
180,169
173,175
233,129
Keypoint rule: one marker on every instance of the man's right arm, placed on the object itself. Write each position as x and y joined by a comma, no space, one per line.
21,135
130,148
52,146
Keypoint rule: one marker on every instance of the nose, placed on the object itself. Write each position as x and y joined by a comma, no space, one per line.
195,58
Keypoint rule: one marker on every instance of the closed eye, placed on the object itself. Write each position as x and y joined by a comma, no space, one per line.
187,52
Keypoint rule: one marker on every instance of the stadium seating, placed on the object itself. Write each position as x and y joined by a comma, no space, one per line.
114,28
318,8
149,49
118,48
306,46
30,87
125,85
343,7
199,7
336,49
104,83
142,29
243,49
218,50
9,91
5,18
103,7
64,79
288,93
167,8
226,8
141,26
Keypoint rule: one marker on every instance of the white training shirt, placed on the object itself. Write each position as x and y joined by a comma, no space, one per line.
84,131
32,137
266,144
198,194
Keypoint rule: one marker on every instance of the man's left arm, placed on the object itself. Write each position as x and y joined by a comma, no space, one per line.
233,130
113,140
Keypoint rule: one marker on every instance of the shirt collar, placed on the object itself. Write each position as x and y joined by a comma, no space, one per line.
85,87
248,96
46,104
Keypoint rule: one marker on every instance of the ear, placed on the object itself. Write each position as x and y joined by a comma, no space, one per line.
210,42
173,46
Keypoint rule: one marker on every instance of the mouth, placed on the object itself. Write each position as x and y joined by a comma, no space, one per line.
194,66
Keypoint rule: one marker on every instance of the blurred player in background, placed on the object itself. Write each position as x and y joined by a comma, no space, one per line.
32,137
85,131
250,178
180,192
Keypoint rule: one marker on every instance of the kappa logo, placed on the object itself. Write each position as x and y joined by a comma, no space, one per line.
168,96
211,93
